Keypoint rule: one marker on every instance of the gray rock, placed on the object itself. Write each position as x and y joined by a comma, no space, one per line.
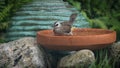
23,53
115,50
80,58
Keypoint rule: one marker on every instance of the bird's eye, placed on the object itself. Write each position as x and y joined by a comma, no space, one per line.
56,24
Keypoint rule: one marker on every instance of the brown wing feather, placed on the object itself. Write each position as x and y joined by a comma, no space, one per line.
67,27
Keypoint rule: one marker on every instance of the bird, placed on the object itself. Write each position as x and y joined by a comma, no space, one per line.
64,28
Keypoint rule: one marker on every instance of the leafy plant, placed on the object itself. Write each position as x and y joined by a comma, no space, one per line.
103,59
75,3
4,16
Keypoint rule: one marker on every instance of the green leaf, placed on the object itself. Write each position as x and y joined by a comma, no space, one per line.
99,23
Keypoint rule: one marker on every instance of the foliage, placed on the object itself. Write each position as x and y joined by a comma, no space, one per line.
101,14
2,40
104,59
76,4
4,15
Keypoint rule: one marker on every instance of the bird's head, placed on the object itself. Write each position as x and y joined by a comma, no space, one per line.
57,24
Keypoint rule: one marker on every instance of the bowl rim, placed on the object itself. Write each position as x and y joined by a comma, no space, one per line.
110,31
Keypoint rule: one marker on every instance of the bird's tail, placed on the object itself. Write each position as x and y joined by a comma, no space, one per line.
72,18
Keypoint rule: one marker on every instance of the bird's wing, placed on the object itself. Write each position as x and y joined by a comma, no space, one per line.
66,29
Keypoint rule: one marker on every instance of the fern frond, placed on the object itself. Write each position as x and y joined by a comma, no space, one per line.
5,12
4,25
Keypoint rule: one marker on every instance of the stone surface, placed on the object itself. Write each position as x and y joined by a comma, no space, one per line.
41,15
80,58
23,53
115,50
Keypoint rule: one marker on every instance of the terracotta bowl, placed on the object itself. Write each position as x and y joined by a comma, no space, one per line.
83,38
